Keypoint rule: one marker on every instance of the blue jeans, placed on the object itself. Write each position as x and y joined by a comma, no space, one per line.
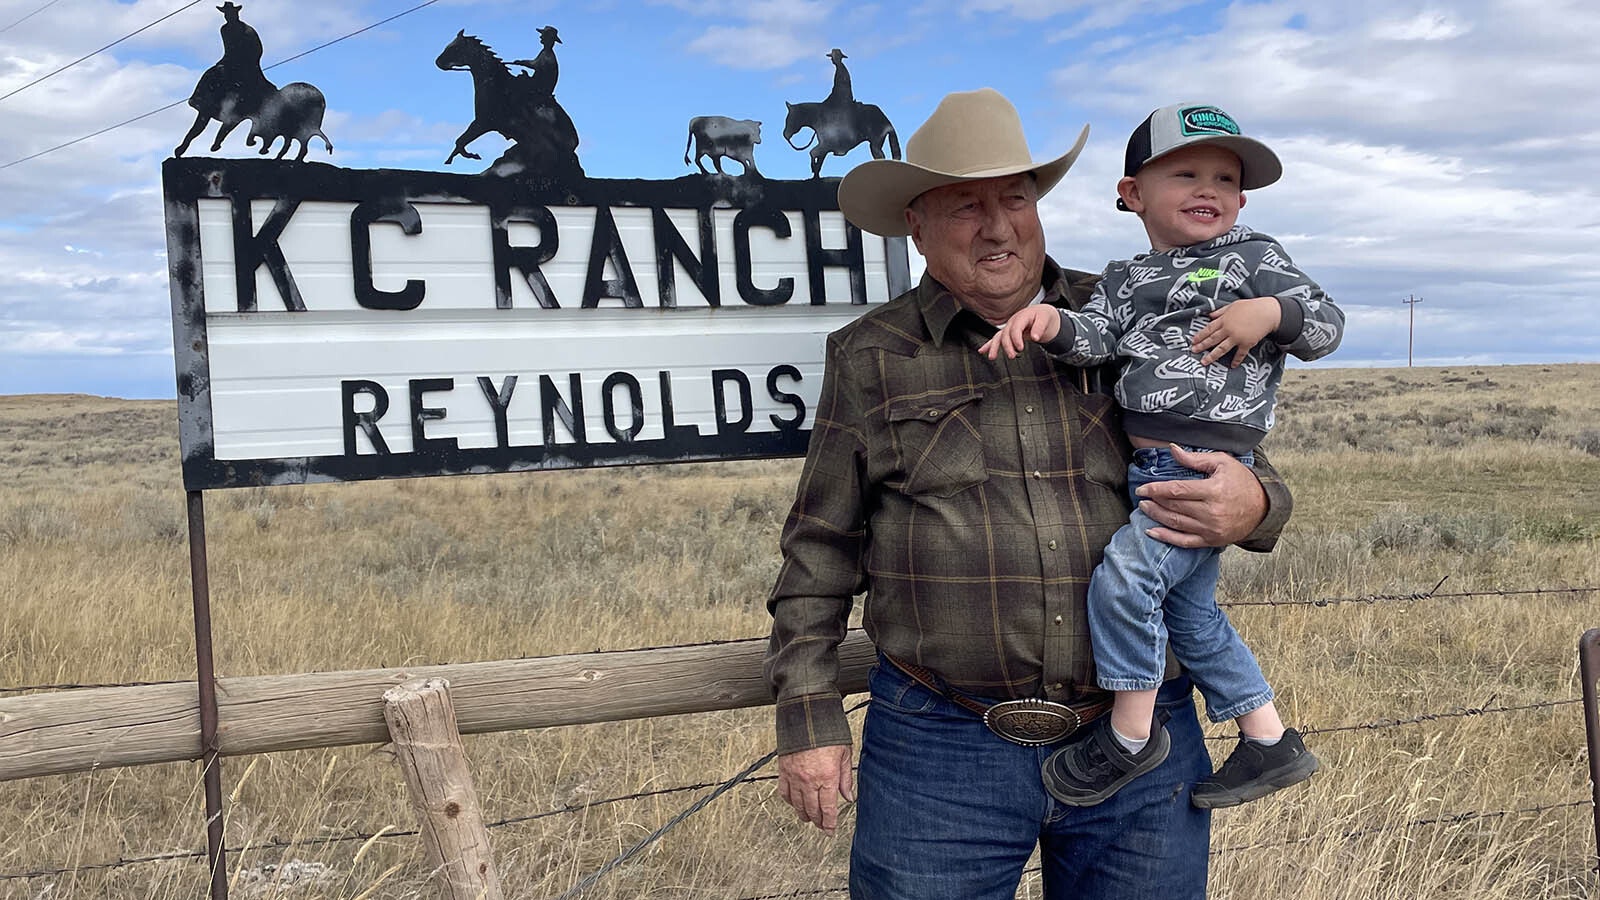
949,811
1145,594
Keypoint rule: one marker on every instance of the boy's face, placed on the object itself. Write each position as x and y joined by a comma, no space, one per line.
1187,197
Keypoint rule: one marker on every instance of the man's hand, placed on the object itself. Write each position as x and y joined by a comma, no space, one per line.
1238,327
1223,509
812,781
1038,323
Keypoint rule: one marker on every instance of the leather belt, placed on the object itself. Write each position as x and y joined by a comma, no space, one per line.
1030,722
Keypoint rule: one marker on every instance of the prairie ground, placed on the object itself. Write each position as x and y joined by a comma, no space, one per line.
1487,478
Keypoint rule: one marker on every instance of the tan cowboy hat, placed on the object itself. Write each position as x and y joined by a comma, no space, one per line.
971,136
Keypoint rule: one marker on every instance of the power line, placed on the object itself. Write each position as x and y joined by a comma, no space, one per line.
29,16
163,109
98,52
352,34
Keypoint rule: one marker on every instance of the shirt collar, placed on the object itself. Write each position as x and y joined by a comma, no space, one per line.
941,309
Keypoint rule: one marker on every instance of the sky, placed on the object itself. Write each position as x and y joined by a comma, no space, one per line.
1442,152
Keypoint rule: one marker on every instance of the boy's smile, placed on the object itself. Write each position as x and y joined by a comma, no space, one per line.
1187,197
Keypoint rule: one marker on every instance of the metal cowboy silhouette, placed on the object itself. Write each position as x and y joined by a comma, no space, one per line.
839,123
235,89
841,93
543,68
521,107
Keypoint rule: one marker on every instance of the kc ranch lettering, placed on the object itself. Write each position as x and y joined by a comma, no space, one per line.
339,324
608,269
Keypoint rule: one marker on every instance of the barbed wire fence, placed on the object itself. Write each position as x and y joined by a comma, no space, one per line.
748,777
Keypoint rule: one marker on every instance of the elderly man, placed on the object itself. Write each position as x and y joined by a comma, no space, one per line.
971,499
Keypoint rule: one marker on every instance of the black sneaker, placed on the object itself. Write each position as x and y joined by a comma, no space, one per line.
1255,770
1090,770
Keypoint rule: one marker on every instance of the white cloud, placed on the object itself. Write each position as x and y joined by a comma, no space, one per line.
1430,149
1427,25
762,34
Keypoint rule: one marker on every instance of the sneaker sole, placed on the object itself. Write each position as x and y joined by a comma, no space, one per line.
1298,770
1061,792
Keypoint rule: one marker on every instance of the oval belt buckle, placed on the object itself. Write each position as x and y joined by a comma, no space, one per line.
1031,722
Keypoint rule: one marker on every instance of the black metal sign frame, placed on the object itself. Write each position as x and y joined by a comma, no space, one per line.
389,196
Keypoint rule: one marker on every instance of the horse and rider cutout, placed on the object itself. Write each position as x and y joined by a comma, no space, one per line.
235,89
839,123
521,106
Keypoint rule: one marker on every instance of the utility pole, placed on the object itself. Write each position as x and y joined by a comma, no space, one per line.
1411,337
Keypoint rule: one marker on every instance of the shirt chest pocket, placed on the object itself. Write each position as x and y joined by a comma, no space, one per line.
938,444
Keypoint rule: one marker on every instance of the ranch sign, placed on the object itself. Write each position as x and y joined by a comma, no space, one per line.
336,324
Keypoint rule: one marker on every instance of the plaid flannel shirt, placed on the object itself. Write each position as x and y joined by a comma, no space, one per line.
971,500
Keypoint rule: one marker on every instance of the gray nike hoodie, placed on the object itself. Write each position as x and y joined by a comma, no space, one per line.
1147,310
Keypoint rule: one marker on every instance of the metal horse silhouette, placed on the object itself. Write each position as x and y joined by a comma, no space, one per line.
235,89
522,107
839,123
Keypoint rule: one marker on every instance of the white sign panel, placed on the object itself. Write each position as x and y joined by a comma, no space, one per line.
335,324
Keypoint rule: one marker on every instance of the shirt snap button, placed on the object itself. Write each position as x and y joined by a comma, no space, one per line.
1051,545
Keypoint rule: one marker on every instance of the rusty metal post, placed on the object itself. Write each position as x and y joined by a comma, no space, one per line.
1589,666
206,680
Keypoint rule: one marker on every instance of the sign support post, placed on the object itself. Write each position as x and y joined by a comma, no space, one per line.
206,681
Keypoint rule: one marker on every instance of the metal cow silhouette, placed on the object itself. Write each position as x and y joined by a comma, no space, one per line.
235,89
294,113
839,123
521,107
720,137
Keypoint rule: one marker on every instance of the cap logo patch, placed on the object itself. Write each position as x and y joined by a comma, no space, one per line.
1206,120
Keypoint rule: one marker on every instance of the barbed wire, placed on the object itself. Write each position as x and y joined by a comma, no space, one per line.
1454,819
1418,595
44,688
748,777
95,867
1457,713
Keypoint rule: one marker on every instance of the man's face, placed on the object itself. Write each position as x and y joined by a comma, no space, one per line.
1187,197
983,241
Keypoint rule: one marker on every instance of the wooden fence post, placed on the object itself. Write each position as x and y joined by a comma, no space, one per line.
422,722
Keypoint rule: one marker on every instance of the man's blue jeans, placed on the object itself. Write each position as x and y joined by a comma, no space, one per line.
949,811
1146,593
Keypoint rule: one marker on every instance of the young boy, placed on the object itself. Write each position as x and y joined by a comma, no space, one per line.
1203,322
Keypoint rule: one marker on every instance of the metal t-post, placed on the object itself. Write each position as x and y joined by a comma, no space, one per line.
1589,666
205,678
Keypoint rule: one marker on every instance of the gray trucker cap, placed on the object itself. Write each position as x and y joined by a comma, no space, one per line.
1183,124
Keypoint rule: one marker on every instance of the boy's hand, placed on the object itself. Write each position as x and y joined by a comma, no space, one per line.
1038,323
1238,327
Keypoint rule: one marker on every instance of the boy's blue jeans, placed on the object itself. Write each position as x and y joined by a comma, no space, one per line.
947,810
1146,594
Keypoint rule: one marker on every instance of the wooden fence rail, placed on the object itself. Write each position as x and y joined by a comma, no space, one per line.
75,731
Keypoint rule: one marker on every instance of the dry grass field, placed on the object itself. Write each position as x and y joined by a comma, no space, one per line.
1490,476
